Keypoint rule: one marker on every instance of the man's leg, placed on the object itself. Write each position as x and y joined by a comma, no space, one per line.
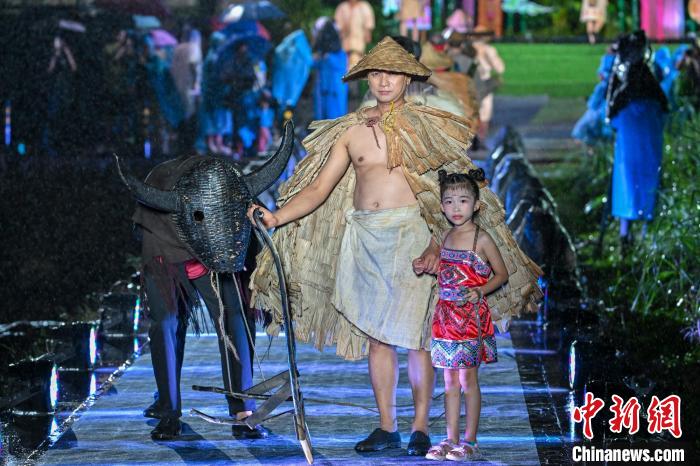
421,376
384,375
240,329
167,341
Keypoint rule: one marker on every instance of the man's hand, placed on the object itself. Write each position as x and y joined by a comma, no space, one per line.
429,261
268,220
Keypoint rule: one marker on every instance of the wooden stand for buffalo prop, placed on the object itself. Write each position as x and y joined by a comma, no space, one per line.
286,383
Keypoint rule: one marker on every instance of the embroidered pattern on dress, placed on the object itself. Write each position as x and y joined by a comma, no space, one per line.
453,294
462,354
467,257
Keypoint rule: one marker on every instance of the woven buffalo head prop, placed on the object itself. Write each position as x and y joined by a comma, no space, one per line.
208,200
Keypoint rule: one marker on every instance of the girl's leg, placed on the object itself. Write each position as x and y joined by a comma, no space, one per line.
472,400
452,403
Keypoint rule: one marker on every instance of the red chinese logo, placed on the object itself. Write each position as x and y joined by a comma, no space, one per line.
665,415
662,414
587,412
626,415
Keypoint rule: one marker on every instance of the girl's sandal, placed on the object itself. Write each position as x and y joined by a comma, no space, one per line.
439,452
465,451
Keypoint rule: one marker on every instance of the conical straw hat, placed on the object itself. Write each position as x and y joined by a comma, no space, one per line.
388,55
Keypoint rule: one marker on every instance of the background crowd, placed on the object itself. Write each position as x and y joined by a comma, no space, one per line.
149,83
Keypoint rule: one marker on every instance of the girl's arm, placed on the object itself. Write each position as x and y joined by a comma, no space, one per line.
498,267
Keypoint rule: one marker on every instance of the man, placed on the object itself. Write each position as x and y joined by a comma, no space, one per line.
360,207
490,67
593,13
173,282
355,21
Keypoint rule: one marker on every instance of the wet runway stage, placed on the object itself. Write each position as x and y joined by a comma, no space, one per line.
113,430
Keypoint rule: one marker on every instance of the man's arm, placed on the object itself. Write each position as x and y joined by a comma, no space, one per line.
313,195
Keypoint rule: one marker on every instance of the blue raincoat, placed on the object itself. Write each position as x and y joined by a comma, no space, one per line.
592,127
171,106
330,92
636,169
665,70
214,117
291,66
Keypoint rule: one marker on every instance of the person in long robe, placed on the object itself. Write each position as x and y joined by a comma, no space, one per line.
330,63
636,108
291,67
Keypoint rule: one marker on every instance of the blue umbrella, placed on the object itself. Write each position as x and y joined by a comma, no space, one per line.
252,10
240,27
257,46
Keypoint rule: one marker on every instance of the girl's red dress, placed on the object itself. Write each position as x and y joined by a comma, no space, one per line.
461,338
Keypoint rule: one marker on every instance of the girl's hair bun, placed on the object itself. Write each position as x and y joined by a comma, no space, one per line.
477,174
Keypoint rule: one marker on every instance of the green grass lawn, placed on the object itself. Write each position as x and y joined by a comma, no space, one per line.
559,70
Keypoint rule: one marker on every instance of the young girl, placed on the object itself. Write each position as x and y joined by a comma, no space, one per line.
470,268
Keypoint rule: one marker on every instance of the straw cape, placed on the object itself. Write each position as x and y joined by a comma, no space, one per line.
420,141
388,55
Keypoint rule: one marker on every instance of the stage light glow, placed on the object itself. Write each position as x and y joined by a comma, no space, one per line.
8,123
93,344
571,406
572,364
137,314
93,384
53,387
54,433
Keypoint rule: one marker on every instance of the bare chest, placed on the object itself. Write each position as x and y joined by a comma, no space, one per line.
367,146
